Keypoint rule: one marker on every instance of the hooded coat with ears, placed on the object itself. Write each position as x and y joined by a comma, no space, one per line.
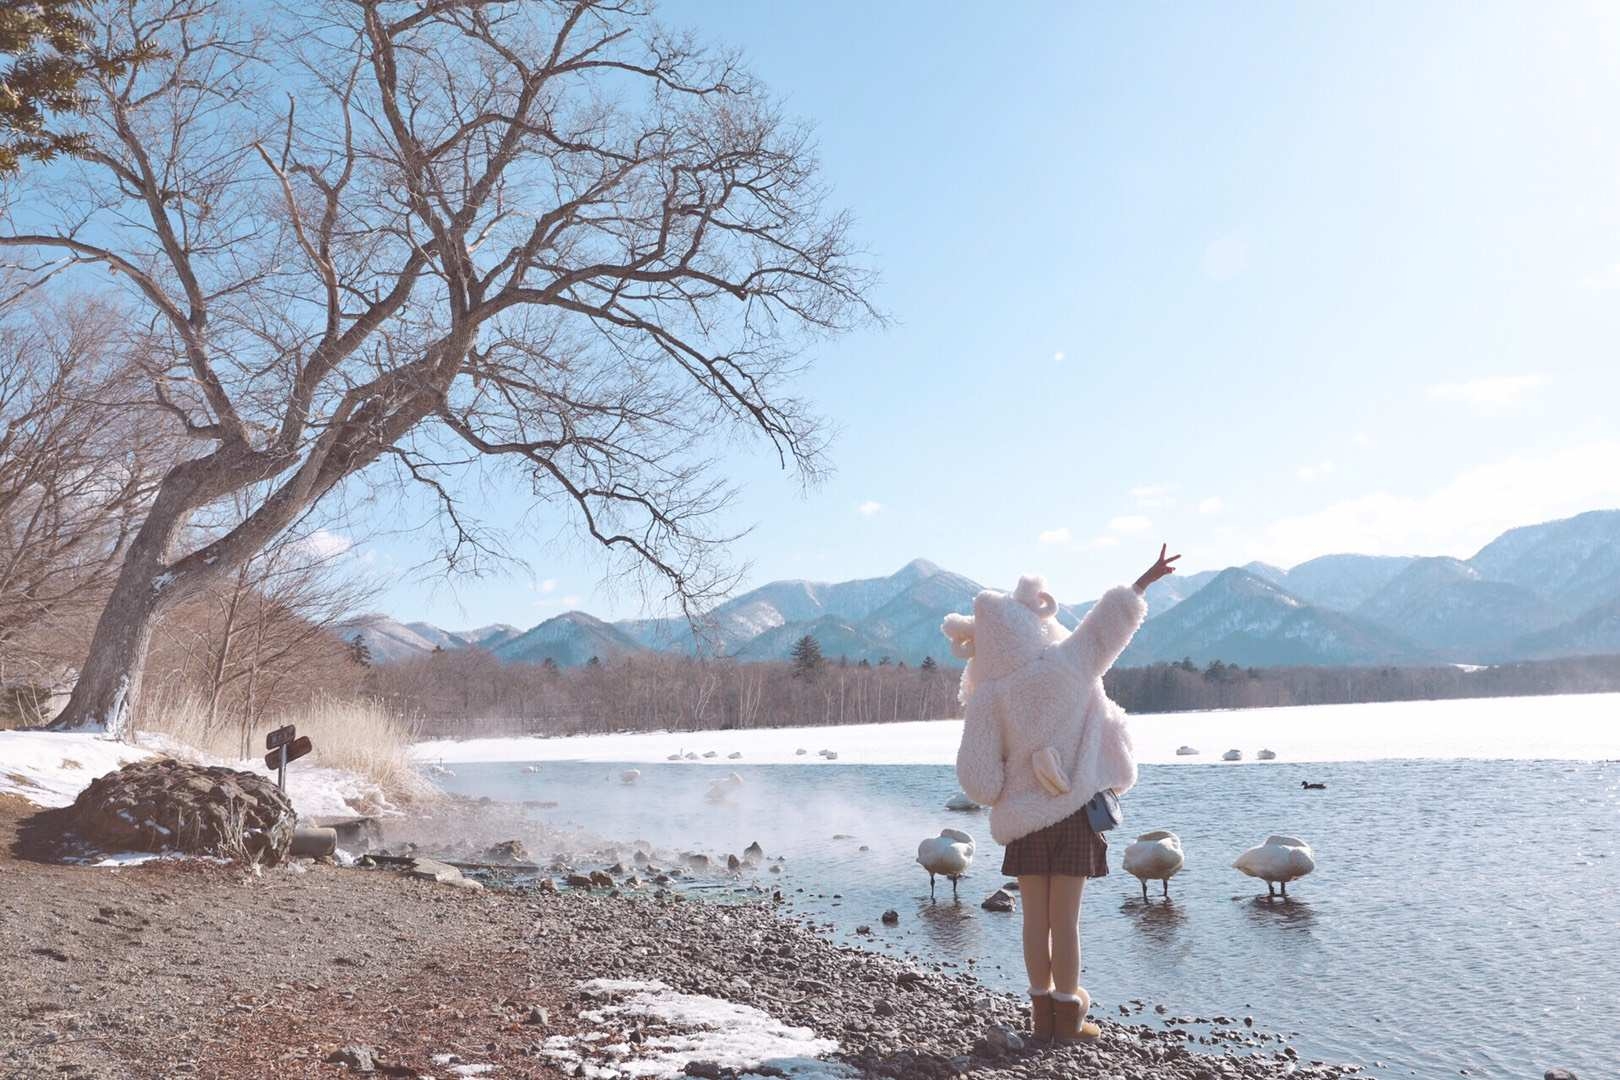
1041,737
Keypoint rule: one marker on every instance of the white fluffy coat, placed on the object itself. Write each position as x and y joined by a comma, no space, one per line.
1029,686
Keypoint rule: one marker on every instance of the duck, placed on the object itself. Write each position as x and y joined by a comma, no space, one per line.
721,790
948,854
1279,860
630,776
1232,755
1156,856
1310,786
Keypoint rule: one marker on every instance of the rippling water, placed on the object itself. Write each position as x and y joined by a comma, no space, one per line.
1463,915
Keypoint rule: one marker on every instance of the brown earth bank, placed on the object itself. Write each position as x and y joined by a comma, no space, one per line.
195,969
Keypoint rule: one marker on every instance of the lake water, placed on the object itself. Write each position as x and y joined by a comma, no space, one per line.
1464,915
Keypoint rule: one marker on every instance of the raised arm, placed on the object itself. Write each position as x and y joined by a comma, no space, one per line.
1107,628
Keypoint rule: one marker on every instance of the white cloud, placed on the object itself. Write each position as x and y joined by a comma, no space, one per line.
1456,519
1225,257
1055,536
548,585
1489,396
1606,280
1211,505
1152,495
869,508
1130,523
325,544
1058,356
1321,470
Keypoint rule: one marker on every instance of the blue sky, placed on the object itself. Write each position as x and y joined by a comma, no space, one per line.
1263,280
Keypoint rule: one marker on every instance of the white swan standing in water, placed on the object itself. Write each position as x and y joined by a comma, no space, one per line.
721,790
949,855
1156,856
1279,860
630,776
1232,755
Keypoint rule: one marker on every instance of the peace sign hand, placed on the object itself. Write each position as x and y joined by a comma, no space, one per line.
1160,569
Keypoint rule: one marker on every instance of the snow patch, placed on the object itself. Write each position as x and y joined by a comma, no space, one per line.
695,1027
50,768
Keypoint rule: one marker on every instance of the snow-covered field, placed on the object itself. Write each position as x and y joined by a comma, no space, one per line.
1575,726
50,768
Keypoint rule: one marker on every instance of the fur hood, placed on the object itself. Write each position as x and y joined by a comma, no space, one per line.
1040,736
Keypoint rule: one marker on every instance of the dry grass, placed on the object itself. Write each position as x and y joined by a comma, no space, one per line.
353,734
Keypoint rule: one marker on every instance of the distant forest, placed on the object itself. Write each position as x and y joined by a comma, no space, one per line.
469,691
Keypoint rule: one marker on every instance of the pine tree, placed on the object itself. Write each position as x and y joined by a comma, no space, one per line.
928,665
807,658
48,43
359,651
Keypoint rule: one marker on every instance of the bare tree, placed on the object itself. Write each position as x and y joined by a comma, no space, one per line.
261,627
76,473
550,236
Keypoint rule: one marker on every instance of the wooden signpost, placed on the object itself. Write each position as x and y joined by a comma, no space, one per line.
285,744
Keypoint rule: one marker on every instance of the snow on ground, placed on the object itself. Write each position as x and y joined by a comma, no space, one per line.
1572,726
696,1027
50,768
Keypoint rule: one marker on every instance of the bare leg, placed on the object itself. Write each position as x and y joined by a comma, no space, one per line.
1065,919
1032,890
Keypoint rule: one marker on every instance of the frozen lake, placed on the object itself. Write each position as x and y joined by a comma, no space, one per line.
1575,727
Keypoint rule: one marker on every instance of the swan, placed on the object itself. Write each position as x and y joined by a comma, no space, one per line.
439,770
949,854
630,776
960,801
1186,751
673,757
1267,755
531,768
721,790
800,752
831,755
734,755
1156,856
1280,859
1232,755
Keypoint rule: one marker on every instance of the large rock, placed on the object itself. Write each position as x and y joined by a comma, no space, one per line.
167,805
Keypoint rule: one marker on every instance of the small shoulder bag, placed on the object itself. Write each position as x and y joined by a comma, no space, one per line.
1102,811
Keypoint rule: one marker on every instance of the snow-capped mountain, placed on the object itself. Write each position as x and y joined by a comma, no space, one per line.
566,640
1242,618
385,639
1542,590
1448,606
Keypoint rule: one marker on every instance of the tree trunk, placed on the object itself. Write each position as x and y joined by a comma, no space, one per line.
109,687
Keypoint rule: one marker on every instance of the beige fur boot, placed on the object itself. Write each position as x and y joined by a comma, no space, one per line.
1041,1006
1069,1023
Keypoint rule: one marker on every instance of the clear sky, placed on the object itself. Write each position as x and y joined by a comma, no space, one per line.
1262,280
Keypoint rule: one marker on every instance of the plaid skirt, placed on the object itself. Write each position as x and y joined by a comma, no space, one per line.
1070,847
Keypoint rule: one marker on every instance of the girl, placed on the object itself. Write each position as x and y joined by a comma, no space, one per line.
1039,740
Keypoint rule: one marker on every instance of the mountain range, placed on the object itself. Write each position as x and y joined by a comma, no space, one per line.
1534,592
